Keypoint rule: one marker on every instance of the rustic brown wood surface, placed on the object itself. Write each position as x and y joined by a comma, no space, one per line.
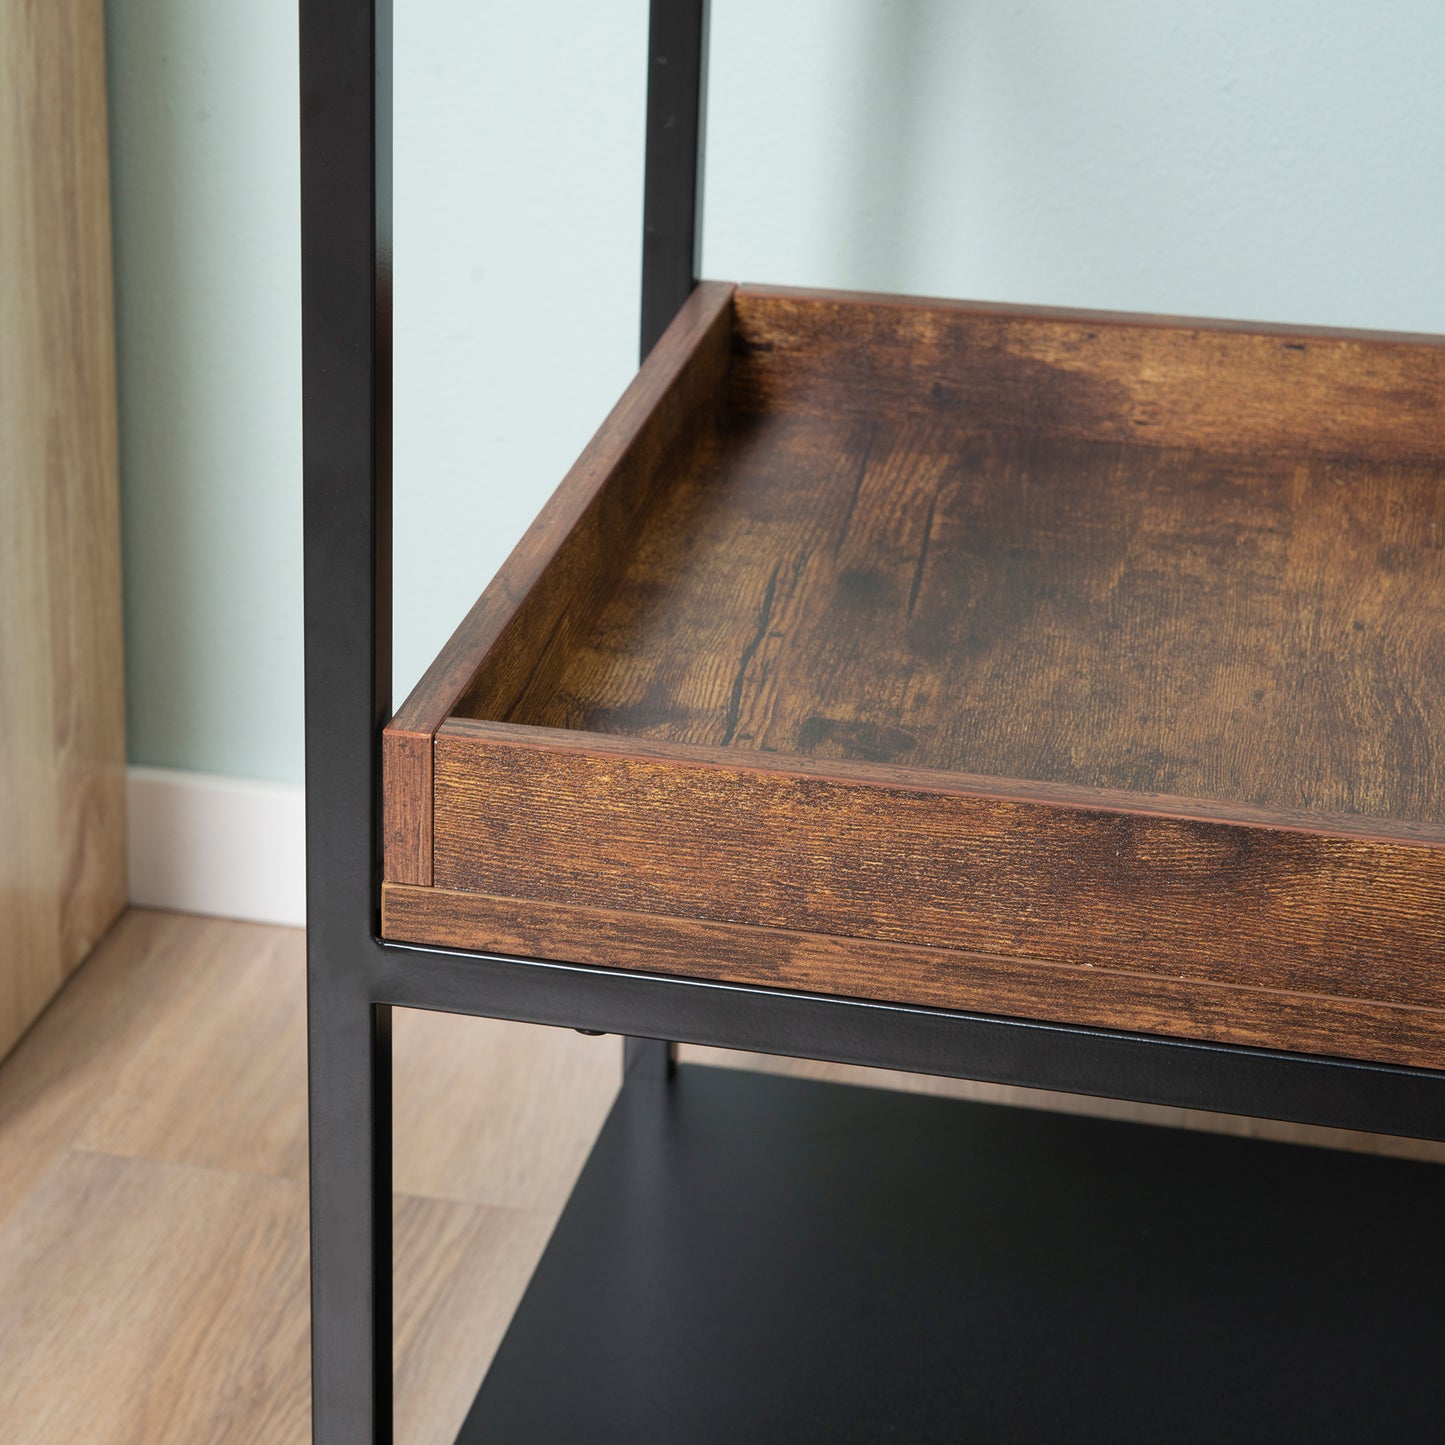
62,701
1093,376
1089,642
945,978
1172,897
1260,629
526,620
951,784
406,813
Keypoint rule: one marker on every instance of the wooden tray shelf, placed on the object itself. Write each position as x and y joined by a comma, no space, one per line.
1064,666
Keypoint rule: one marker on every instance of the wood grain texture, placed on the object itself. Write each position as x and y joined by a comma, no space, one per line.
153,1193
560,571
898,973
51,1081
62,860
406,806
173,1335
154,1302
1090,642
184,1042
1093,376
1170,897
1266,631
875,772
186,1084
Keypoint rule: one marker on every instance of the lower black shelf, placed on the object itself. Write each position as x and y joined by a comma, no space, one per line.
750,1258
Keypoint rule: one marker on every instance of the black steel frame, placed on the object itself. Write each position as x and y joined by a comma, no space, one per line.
354,980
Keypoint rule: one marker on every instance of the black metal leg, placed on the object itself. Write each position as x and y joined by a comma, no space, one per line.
346,376
671,212
648,1059
676,71
351,1320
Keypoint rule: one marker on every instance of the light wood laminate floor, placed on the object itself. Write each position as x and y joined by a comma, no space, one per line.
153,1199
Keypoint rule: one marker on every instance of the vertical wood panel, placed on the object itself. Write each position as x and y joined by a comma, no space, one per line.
62,720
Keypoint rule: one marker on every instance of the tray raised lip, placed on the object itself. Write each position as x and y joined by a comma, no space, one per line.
1150,320
941,782
705,325
618,852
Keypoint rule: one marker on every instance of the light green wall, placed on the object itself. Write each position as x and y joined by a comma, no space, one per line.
1281,161
208,295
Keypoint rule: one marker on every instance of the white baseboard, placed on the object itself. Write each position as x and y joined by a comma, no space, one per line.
226,846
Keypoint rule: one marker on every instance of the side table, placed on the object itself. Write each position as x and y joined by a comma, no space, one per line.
1042,697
